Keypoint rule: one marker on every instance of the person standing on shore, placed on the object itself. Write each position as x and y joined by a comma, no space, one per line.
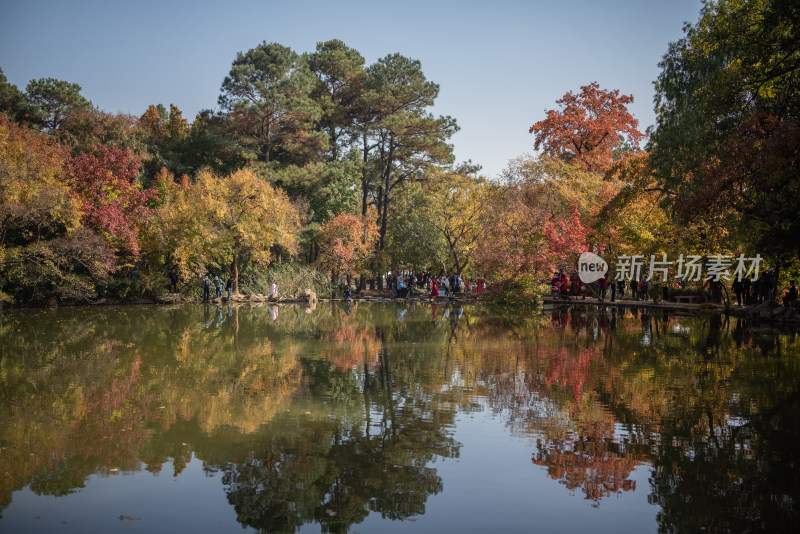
738,287
602,286
229,287
206,288
791,297
173,280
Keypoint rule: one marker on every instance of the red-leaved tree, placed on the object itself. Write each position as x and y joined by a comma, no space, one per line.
114,204
588,127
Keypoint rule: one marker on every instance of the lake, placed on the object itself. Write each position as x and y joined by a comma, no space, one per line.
356,417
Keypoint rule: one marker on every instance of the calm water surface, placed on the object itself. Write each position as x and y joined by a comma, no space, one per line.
394,418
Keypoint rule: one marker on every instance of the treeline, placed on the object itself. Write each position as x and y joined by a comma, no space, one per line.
324,161
302,147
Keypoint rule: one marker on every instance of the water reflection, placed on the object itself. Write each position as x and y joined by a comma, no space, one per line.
329,414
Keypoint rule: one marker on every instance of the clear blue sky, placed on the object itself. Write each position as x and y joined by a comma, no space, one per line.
499,64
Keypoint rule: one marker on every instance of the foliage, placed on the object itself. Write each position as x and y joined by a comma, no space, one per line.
588,127
456,208
408,140
341,76
54,101
218,219
412,237
14,103
113,202
44,249
292,278
85,129
346,243
164,134
727,116
534,221
517,301
267,96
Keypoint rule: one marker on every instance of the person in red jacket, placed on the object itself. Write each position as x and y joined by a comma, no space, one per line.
555,283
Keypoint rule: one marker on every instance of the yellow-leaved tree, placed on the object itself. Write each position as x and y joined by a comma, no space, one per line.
457,208
217,219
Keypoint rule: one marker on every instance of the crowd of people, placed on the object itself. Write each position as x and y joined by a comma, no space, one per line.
405,283
746,291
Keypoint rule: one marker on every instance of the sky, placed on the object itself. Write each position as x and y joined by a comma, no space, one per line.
499,65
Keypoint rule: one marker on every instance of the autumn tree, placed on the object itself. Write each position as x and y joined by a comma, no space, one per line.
113,202
45,251
457,208
535,219
267,97
727,113
346,241
85,129
164,133
238,214
588,127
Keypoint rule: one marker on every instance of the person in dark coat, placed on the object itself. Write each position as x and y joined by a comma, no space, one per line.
206,288
173,280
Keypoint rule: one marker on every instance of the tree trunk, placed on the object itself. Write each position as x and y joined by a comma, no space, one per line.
235,272
364,176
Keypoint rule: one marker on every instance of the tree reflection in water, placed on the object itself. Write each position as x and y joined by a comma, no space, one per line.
327,415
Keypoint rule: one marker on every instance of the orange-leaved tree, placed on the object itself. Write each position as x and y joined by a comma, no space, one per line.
346,242
588,128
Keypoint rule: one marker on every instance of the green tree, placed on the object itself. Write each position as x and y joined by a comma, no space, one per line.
267,97
14,103
211,143
340,73
403,142
413,238
54,101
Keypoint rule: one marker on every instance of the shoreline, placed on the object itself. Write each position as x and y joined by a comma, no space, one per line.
768,311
